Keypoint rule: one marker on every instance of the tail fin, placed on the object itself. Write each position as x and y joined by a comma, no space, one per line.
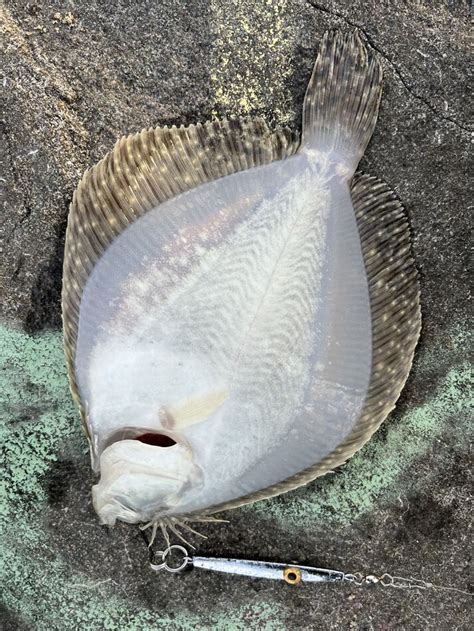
342,100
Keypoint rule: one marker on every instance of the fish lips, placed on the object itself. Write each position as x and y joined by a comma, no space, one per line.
140,481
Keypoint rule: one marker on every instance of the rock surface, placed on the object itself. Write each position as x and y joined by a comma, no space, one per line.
76,76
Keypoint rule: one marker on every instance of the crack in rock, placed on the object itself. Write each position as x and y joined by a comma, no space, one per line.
406,85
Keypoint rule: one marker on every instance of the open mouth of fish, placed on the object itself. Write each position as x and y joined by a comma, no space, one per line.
147,436
142,471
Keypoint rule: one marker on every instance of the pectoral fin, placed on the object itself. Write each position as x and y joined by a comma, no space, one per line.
193,410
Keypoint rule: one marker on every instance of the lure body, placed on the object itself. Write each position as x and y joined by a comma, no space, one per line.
291,574
230,341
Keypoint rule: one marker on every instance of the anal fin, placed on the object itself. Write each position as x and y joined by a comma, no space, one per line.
394,294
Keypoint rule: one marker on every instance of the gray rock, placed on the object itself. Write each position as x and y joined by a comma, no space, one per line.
77,76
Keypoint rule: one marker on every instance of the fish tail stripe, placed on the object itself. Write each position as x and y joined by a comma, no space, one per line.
342,100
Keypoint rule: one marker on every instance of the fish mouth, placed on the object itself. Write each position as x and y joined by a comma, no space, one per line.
137,482
166,440
156,439
152,437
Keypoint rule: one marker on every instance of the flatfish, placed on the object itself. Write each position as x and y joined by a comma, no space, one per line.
240,310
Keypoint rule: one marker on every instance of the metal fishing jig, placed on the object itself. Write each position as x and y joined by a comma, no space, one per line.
291,574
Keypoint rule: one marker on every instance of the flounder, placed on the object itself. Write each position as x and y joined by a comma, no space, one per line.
240,311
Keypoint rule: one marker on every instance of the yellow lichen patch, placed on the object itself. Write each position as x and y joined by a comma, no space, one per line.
68,19
252,57
12,33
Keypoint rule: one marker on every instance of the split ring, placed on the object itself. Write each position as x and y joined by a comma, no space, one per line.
164,557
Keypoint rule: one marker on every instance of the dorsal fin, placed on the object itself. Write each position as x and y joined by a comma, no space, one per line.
394,294
141,172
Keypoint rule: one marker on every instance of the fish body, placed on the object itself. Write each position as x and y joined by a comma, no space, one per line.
246,317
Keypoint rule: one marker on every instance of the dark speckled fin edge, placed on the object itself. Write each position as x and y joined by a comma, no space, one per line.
141,172
396,321
394,294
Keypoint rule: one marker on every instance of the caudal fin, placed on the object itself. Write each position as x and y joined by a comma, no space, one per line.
342,100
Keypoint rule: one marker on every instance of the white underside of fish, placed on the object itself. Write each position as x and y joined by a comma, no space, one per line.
250,293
